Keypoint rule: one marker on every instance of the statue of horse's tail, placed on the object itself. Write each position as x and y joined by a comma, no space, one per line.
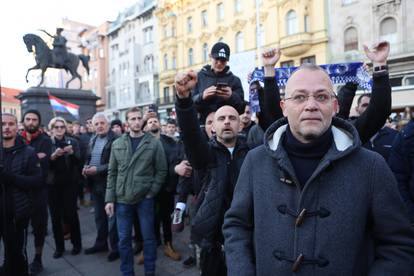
85,62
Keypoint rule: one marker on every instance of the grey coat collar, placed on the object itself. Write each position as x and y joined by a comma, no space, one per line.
345,136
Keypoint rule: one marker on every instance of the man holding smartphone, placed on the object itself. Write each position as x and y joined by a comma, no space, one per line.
217,86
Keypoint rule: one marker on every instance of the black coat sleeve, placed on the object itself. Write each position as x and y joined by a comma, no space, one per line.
378,110
345,97
46,148
196,146
270,110
32,177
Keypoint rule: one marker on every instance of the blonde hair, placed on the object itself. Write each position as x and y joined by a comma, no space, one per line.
56,119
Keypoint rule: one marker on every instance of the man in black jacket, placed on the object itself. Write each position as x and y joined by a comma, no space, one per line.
43,147
21,172
96,170
401,162
165,198
224,156
216,85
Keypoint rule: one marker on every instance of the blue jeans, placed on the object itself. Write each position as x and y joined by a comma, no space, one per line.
124,217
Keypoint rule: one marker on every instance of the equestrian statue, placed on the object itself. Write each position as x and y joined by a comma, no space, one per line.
58,57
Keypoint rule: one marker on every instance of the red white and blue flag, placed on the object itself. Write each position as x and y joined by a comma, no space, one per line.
59,105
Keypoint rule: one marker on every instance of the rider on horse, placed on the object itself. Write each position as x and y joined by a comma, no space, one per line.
59,51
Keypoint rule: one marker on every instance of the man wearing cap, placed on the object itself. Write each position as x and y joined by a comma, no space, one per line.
33,136
217,86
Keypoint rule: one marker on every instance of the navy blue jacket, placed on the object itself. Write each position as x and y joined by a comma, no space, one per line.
382,141
401,162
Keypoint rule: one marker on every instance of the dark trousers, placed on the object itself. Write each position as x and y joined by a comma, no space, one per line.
212,262
63,208
39,216
164,203
15,258
104,226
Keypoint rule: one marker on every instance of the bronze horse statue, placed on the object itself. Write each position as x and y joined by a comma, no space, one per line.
44,59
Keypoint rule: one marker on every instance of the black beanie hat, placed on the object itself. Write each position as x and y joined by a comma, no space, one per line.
33,111
116,122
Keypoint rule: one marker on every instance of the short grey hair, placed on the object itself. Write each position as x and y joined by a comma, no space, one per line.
99,115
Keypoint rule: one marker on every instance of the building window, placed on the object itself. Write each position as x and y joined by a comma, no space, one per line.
239,42
165,62
350,39
287,64
237,6
148,35
204,18
388,30
189,24
190,57
101,53
306,23
408,80
291,23
220,12
205,52
166,94
174,62
260,37
310,59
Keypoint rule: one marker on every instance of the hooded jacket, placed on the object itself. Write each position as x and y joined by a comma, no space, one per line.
206,78
330,226
22,162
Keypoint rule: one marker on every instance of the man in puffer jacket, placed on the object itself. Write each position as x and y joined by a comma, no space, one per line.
20,173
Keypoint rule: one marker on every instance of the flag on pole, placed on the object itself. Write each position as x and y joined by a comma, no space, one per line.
59,105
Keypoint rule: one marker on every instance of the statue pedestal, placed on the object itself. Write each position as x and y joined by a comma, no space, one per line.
37,98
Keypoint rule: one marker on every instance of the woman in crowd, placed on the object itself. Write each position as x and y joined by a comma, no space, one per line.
62,190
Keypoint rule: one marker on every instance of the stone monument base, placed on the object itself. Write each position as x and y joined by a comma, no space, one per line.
37,98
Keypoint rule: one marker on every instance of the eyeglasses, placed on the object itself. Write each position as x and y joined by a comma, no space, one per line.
56,127
320,98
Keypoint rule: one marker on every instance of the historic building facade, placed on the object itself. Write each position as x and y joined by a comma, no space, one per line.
94,43
132,64
189,28
353,23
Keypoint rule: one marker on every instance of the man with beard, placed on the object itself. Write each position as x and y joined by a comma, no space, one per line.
137,170
165,198
42,144
20,174
246,121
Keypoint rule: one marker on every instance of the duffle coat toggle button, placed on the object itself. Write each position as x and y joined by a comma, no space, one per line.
300,218
297,263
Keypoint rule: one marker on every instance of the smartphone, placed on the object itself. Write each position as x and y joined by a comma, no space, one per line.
221,85
152,108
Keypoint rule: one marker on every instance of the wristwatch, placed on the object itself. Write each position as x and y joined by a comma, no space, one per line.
381,68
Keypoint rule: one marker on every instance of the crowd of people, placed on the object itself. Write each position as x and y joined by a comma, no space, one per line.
304,188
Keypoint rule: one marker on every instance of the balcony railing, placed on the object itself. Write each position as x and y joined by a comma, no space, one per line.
164,100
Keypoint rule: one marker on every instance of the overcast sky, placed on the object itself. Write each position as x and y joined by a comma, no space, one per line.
19,17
